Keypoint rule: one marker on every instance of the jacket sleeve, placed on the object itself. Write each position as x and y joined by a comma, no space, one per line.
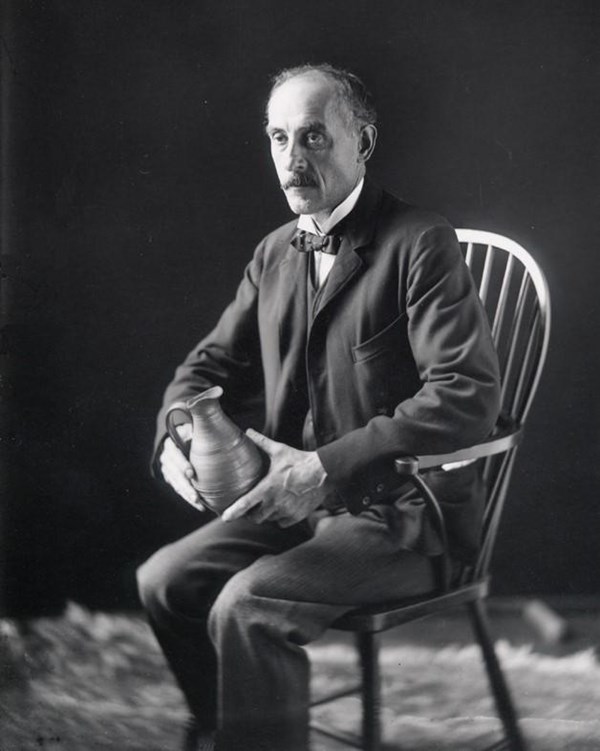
229,357
458,401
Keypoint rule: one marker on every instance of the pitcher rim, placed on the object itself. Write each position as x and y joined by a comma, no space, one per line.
214,392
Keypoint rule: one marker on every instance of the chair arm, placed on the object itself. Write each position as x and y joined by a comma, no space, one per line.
505,436
502,440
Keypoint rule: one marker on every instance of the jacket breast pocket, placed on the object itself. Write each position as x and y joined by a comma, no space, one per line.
387,340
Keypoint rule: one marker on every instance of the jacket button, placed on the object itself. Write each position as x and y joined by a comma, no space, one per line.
380,488
366,500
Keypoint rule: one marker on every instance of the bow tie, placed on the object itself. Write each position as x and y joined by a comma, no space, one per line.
306,242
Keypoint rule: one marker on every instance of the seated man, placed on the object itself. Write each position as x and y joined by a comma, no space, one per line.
370,345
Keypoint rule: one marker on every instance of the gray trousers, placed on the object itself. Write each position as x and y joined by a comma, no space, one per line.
232,605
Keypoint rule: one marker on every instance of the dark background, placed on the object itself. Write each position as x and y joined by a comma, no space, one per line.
136,183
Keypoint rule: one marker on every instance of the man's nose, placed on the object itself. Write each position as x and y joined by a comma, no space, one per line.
294,159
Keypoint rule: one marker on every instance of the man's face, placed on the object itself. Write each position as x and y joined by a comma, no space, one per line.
316,154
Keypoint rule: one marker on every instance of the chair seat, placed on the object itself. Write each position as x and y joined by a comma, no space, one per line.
373,619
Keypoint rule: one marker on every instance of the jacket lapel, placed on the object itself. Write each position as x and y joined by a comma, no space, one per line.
358,229
292,302
347,264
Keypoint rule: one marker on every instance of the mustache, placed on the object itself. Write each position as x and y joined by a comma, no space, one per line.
299,180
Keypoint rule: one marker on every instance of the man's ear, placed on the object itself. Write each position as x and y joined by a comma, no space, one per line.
368,137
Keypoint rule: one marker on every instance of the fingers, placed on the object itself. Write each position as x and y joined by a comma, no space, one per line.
185,431
269,446
270,493
239,508
258,514
178,472
244,504
174,459
264,511
287,521
267,513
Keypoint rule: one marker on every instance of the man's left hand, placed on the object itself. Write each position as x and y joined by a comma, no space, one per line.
295,485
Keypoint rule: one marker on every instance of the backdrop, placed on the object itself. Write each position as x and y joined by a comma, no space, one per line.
137,181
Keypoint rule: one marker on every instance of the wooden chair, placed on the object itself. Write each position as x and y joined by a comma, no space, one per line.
515,295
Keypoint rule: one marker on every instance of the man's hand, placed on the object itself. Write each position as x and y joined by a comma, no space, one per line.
295,485
177,470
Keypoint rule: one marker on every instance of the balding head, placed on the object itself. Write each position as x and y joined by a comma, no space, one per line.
351,95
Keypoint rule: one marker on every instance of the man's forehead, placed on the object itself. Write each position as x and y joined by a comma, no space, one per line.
311,95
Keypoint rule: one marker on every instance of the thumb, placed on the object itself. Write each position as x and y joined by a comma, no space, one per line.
266,444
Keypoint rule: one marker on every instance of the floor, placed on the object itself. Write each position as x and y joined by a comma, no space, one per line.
94,681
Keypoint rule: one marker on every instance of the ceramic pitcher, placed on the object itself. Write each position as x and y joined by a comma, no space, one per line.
226,462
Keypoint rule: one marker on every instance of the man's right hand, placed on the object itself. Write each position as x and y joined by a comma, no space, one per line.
176,468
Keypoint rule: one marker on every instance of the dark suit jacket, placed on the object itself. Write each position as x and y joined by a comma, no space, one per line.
398,357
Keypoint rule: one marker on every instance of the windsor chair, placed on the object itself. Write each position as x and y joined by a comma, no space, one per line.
515,295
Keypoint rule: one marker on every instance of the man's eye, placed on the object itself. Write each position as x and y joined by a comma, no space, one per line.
314,139
278,138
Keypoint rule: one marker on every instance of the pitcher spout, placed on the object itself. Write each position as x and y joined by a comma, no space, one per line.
213,393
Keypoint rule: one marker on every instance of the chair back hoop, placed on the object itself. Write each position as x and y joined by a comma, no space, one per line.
515,296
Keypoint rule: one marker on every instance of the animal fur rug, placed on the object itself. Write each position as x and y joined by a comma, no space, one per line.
94,681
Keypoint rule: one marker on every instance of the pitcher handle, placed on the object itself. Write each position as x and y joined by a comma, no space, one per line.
172,426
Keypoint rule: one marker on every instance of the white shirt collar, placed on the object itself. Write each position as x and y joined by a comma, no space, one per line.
308,224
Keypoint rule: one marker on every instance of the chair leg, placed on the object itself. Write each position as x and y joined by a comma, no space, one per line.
498,684
368,647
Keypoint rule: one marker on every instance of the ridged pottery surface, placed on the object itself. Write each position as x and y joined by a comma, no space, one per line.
226,462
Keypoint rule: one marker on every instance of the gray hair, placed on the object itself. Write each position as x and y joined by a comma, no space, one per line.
350,90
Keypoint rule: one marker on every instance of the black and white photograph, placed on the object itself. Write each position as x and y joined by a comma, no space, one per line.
299,431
